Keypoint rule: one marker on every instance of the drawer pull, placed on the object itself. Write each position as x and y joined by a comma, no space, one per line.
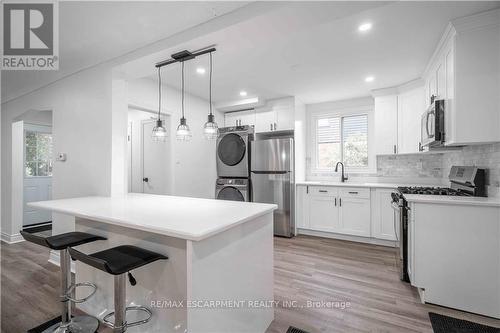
323,191
353,192
335,202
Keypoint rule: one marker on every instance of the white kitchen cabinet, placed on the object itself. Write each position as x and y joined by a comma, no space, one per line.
383,217
386,124
265,120
239,118
354,216
276,115
411,105
323,208
464,71
323,214
456,262
341,210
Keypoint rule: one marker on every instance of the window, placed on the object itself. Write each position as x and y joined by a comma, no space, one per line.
37,154
341,138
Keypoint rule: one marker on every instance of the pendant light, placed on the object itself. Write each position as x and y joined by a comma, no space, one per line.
183,132
211,130
159,133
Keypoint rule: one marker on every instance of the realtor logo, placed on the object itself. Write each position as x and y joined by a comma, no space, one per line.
30,38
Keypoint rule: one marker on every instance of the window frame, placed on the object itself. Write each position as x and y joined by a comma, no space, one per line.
340,112
37,129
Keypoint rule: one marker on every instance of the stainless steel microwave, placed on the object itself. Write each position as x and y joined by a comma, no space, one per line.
432,125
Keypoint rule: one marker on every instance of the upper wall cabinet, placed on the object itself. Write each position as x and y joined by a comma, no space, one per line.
386,124
276,115
465,71
397,119
239,118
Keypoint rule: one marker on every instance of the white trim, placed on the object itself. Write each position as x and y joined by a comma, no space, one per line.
55,259
477,21
448,34
11,239
359,239
402,88
358,106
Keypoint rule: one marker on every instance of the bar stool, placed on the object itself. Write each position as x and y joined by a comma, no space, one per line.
82,324
119,261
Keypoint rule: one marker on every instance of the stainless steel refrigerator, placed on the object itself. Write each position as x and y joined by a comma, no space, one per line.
272,180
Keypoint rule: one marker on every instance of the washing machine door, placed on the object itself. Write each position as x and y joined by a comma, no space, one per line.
230,193
231,149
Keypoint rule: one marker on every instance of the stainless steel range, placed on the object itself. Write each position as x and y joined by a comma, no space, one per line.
464,181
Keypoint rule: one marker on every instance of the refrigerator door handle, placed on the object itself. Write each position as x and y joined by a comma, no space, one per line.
270,172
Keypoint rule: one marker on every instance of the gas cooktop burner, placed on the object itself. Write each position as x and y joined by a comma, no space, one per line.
432,191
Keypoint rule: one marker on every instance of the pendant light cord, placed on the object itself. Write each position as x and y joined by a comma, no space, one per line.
159,92
182,85
210,85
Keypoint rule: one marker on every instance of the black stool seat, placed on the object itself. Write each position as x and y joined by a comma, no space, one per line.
118,260
62,241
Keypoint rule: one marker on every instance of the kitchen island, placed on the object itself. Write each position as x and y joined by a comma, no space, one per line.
219,275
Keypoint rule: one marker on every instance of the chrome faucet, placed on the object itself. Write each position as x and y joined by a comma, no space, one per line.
343,178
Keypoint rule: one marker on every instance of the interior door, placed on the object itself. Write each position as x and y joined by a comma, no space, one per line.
37,182
36,189
156,166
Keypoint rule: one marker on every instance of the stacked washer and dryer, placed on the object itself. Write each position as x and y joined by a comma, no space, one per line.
233,163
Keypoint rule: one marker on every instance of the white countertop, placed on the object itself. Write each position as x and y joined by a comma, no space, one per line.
452,200
360,184
181,217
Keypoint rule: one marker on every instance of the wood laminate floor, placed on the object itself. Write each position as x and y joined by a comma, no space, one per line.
306,269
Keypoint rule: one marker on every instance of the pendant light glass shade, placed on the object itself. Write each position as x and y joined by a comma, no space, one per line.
183,132
210,130
159,133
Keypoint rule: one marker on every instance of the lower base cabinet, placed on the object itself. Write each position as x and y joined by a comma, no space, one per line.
354,211
355,217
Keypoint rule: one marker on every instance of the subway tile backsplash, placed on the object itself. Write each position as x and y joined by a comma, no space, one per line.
429,167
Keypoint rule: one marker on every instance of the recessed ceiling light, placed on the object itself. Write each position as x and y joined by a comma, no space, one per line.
369,79
243,93
200,70
365,27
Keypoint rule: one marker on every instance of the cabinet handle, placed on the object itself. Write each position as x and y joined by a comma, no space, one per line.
340,202
323,191
335,202
275,126
307,189
271,126
353,192
395,149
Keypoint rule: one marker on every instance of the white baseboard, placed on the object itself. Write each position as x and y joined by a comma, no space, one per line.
11,239
55,259
358,239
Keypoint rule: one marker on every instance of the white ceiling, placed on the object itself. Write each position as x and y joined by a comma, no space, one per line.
91,33
314,51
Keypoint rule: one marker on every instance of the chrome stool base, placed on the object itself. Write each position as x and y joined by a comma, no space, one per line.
78,324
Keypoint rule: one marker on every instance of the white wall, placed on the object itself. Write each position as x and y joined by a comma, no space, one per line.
194,167
86,124
300,141
81,128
